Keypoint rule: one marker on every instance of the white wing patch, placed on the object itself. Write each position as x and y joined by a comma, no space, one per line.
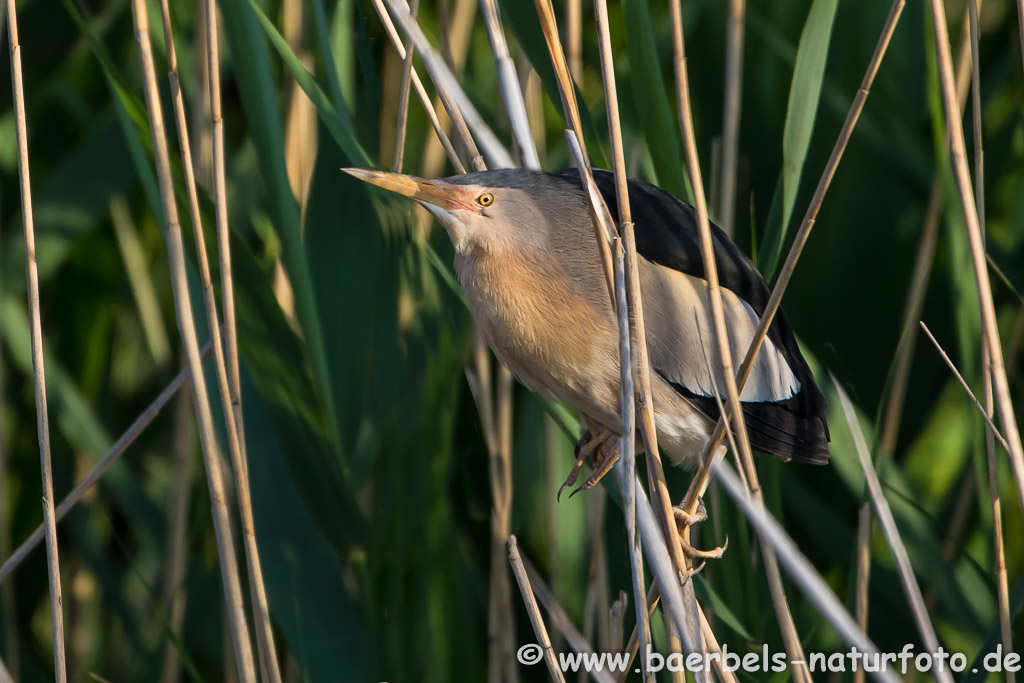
681,337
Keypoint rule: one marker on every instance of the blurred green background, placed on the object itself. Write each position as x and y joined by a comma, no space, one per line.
368,466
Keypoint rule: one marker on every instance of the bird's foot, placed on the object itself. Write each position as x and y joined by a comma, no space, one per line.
685,520
584,448
611,456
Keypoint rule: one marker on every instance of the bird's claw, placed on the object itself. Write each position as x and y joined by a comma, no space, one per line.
601,469
697,554
685,520
584,448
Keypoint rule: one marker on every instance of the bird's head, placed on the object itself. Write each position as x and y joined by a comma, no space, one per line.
488,210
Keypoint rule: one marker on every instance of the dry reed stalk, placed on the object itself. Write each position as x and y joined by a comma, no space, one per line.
220,201
710,641
457,24
500,602
731,113
173,590
511,93
186,326
421,92
596,602
921,272
641,367
961,173
38,367
701,478
7,596
998,549
905,352
800,569
970,394
862,577
625,466
1002,587
1020,27
111,456
567,93
5,675
452,94
454,99
495,410
787,626
616,616
560,618
566,90
536,620
892,535
403,101
227,374
574,39
300,127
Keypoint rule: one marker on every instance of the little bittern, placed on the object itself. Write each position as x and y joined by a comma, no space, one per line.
528,260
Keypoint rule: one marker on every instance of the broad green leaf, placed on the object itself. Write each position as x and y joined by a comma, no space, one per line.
521,18
651,102
801,112
335,118
246,33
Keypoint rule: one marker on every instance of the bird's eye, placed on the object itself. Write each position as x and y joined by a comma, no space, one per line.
486,199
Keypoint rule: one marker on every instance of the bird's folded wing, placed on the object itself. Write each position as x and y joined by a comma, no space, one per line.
681,338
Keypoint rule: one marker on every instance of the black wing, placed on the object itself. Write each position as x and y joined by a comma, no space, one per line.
667,234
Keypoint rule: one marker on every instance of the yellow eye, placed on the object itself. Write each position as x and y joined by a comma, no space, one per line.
486,199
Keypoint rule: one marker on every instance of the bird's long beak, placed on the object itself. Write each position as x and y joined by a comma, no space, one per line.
439,193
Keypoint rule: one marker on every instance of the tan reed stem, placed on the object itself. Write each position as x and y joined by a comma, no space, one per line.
454,97
403,101
625,466
173,590
512,94
38,367
227,376
572,116
701,478
963,383
186,327
1002,587
785,618
731,113
560,618
892,535
905,352
863,574
421,92
220,200
533,609
961,173
496,412
638,342
574,39
115,452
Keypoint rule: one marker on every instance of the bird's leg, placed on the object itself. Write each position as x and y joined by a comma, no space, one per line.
685,520
584,447
610,448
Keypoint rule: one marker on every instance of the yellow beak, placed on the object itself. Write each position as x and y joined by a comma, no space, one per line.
445,195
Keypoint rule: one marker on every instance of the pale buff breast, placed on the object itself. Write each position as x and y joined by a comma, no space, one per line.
550,337
556,342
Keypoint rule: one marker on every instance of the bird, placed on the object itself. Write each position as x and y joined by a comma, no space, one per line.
529,264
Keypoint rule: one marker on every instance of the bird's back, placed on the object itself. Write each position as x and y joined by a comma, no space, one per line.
667,235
